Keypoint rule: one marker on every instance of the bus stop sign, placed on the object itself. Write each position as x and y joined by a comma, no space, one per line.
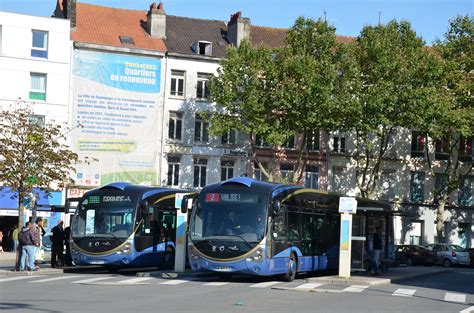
347,205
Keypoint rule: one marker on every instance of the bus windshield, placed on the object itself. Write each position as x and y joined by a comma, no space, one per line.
103,221
230,215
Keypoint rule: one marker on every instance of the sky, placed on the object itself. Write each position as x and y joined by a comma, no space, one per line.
429,18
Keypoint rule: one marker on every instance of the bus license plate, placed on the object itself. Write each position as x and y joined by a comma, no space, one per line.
97,262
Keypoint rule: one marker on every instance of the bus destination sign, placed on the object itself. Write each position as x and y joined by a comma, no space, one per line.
231,197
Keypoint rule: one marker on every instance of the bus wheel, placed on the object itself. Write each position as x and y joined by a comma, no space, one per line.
291,268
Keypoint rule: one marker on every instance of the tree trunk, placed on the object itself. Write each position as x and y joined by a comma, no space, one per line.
440,221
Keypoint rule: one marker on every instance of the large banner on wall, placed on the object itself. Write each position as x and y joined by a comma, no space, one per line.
115,110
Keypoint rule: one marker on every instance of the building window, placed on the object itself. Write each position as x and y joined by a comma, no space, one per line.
201,129
416,232
466,191
339,144
202,88
229,137
312,140
287,171
418,142
202,48
38,87
175,125
39,47
442,149
441,184
312,177
37,120
388,182
257,172
126,40
466,153
227,169
173,170
200,168
261,142
417,187
177,83
289,143
337,179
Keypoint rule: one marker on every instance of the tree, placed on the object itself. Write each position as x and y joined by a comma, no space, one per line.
395,84
275,94
451,124
34,155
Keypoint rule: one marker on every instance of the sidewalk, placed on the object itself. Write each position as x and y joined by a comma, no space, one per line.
7,266
393,275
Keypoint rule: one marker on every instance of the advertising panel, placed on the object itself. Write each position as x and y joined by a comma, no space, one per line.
115,111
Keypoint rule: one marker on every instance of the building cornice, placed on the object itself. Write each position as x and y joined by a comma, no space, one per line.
128,50
197,57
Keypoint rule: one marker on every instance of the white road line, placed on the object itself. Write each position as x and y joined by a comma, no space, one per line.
455,297
309,286
174,282
52,279
90,280
17,278
134,280
356,288
216,284
468,310
404,292
265,284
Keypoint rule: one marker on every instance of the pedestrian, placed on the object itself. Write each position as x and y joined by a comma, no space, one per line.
57,248
15,237
27,242
67,236
39,233
377,247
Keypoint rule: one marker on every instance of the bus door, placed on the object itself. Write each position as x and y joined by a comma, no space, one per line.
359,237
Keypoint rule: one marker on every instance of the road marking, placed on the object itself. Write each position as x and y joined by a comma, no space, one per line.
468,310
134,280
52,279
90,280
265,284
216,284
17,278
404,292
309,286
455,297
356,288
174,282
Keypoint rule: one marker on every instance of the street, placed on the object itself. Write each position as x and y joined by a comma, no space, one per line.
452,291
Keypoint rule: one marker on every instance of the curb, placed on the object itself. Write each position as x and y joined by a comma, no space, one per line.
174,275
40,272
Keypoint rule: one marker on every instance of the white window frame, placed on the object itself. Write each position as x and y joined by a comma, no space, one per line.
45,46
229,138
201,165
201,135
287,173
227,169
339,144
178,75
42,91
175,119
173,167
203,80
311,171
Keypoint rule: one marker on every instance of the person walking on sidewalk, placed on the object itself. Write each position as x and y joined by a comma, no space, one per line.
27,241
377,246
39,233
57,248
15,237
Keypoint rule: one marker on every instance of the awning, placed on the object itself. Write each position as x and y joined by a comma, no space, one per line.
9,199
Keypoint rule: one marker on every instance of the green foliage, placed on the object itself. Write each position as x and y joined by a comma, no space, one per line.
34,155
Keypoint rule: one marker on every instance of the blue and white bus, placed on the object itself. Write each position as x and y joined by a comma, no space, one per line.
246,226
122,225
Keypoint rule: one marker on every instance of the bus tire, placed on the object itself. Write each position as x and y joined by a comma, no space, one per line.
292,268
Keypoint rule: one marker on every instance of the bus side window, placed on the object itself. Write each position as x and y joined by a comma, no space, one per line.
279,227
293,226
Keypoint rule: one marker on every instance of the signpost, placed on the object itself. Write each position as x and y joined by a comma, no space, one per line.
347,206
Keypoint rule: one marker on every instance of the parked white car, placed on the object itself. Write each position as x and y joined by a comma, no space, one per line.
449,254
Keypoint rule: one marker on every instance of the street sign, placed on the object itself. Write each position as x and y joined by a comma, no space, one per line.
347,205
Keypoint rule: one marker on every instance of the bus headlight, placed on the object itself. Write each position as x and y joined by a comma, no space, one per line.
126,249
257,256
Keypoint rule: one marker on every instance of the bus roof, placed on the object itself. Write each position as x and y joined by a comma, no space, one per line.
140,191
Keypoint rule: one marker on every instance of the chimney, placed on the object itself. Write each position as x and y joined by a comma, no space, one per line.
156,21
238,28
71,12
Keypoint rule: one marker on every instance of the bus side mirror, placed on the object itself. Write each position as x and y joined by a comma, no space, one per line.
187,203
276,207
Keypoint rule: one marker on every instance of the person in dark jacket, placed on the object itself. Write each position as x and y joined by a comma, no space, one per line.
67,235
377,246
27,239
57,248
